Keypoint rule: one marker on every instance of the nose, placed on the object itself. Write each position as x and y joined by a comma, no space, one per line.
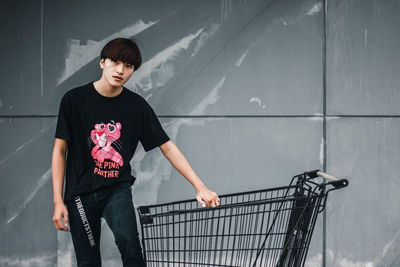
100,131
120,68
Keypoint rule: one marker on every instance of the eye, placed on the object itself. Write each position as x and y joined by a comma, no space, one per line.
111,128
101,126
129,66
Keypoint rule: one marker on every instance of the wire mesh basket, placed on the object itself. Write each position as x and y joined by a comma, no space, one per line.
269,227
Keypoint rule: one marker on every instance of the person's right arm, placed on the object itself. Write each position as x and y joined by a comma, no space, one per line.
57,172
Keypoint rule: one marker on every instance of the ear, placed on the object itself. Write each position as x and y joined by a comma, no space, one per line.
102,63
119,126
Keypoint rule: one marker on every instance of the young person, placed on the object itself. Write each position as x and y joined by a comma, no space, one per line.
100,124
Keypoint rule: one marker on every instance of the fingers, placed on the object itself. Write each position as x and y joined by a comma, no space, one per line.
213,205
57,219
58,224
212,200
202,203
215,201
208,203
66,220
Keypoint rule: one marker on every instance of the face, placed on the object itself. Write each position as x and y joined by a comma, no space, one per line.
116,73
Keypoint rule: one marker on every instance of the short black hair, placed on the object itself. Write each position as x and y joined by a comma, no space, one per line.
122,49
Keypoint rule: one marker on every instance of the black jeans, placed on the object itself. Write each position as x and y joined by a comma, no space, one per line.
116,206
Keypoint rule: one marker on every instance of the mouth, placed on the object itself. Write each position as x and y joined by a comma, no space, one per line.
117,78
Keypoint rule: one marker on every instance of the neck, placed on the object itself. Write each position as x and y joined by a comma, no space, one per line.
107,89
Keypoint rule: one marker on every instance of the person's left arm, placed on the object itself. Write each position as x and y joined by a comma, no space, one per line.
204,196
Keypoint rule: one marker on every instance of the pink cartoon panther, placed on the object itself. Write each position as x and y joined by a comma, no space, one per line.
103,136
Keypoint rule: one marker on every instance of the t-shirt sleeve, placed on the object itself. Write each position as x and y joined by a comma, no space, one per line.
153,135
63,129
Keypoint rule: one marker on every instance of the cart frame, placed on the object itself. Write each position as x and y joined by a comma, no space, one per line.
268,227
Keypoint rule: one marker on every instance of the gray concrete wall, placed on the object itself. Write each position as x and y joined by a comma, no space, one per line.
253,92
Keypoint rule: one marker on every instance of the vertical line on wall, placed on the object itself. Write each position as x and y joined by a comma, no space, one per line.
324,11
41,47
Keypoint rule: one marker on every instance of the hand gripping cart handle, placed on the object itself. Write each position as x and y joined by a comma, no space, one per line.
268,227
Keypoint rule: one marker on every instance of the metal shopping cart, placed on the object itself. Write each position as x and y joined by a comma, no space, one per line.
270,227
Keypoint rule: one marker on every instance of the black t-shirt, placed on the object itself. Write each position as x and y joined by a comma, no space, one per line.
102,135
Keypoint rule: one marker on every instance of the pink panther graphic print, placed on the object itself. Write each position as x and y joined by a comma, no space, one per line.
107,159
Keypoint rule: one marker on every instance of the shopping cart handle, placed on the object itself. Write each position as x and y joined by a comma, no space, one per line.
336,182
341,183
312,174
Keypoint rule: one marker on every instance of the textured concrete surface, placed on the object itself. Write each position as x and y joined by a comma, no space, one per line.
364,219
240,88
362,65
